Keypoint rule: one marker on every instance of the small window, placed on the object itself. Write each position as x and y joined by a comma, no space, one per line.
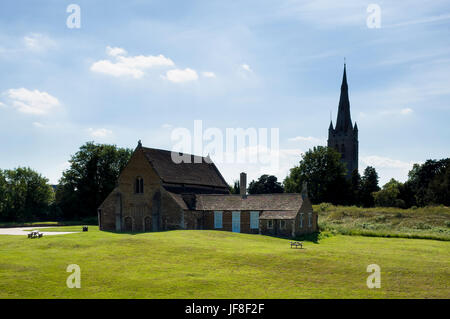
310,219
254,220
301,220
218,220
282,224
139,185
270,224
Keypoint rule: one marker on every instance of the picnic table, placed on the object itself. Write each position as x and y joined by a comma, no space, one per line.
296,244
35,234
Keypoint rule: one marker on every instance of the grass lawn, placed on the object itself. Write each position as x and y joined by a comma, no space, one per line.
214,264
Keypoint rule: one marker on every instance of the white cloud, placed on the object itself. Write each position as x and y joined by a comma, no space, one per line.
100,133
387,168
208,74
308,139
404,111
115,51
167,126
246,67
179,76
2,104
38,42
32,102
385,162
129,65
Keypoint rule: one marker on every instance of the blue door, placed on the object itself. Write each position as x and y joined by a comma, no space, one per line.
236,222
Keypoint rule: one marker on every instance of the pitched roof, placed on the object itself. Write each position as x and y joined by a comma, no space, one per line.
199,171
278,214
260,202
179,200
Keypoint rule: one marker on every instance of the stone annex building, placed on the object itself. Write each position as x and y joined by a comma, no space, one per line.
154,193
344,136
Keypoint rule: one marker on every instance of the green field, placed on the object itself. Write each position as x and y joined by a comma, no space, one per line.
432,222
214,264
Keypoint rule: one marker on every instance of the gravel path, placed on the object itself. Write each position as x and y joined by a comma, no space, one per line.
23,231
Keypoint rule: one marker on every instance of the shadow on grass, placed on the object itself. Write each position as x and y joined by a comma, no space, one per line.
136,232
314,237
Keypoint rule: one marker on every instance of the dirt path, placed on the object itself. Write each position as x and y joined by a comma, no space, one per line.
23,231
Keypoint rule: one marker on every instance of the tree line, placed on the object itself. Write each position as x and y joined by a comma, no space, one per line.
25,195
321,167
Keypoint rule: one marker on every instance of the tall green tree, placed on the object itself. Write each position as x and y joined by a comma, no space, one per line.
3,188
92,175
266,184
389,195
426,181
25,195
355,188
439,188
322,169
369,185
235,189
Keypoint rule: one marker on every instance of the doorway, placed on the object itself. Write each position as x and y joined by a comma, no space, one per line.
236,222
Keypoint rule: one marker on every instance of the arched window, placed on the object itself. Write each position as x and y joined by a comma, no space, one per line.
343,150
139,185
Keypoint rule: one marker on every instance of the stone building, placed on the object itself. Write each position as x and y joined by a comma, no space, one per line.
344,136
154,193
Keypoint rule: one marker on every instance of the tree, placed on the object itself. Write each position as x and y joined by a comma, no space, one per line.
355,188
369,185
389,195
236,189
266,184
426,179
439,188
3,188
25,195
322,169
92,175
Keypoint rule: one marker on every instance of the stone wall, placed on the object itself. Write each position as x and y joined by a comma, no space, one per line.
124,204
277,228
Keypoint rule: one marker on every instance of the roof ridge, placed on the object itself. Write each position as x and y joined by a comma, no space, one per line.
269,194
159,149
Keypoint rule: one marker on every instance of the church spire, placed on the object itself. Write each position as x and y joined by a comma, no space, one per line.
344,121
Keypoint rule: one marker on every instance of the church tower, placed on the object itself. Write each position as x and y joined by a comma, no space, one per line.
344,136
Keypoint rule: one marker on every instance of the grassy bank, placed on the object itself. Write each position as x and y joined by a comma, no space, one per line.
215,264
426,222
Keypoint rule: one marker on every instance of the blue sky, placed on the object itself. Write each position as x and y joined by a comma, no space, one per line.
137,69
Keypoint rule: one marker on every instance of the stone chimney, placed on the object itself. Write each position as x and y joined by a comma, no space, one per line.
243,185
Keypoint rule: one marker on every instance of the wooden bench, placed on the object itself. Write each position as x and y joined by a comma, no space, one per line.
296,244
